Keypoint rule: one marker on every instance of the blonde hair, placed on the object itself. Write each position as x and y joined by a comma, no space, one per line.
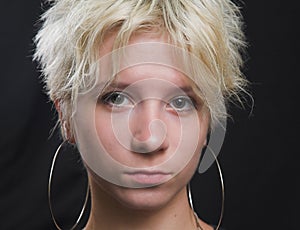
68,43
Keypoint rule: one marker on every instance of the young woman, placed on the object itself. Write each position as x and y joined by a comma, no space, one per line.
139,85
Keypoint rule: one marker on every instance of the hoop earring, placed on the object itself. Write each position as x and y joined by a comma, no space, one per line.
49,193
222,191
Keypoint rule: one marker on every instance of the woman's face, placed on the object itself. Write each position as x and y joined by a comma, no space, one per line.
147,116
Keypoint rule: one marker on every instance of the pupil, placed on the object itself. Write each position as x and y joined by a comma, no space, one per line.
117,99
179,103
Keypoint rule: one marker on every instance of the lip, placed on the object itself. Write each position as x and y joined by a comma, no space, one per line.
144,177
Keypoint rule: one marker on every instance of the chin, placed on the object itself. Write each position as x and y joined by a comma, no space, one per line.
146,199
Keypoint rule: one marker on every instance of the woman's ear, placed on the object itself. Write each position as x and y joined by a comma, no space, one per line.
58,109
64,125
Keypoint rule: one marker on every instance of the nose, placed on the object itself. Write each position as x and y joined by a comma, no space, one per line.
149,131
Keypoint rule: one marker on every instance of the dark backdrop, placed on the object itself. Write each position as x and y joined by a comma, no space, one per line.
258,156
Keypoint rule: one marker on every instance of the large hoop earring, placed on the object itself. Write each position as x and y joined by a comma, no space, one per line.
222,191
49,193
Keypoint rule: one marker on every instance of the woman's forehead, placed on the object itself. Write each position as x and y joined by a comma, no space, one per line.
151,71
146,56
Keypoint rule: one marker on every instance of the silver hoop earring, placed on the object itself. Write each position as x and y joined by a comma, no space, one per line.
49,193
222,191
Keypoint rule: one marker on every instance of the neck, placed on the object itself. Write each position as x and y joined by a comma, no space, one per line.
109,213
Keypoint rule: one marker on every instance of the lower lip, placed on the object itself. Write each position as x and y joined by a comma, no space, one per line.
149,179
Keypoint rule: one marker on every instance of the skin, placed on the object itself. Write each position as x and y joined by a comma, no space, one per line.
163,206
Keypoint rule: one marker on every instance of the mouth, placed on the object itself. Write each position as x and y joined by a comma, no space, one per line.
148,178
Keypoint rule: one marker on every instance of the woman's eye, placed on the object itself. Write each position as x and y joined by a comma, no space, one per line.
182,103
117,99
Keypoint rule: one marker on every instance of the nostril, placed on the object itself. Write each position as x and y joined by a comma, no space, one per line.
149,146
156,138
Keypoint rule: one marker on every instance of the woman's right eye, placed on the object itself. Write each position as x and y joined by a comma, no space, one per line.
116,99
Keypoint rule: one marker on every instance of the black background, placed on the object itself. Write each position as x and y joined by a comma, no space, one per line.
258,157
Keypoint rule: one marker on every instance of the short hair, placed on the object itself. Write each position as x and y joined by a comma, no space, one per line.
68,43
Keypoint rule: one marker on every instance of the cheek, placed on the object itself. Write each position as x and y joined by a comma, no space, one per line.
204,119
174,132
103,127
105,133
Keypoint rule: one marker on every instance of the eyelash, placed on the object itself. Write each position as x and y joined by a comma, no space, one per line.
187,100
108,96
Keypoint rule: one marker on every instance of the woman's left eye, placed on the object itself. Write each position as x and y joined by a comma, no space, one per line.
182,104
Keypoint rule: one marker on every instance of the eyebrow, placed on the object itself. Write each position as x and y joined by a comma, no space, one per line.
122,85
119,85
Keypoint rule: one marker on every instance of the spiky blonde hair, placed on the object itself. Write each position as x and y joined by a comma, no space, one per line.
68,43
